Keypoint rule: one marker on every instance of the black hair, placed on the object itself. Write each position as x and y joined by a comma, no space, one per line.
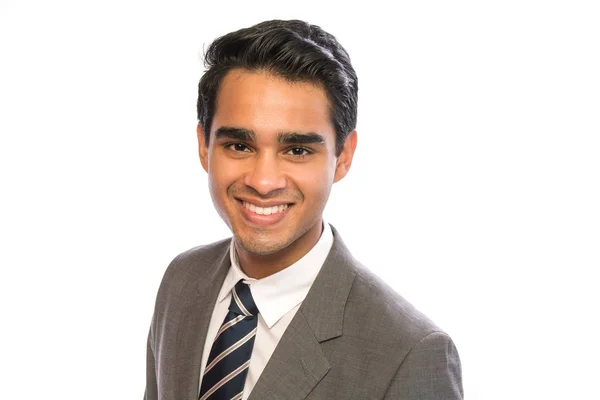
293,50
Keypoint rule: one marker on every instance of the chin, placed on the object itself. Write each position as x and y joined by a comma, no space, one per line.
260,247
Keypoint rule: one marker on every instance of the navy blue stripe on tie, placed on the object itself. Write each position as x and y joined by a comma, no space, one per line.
227,366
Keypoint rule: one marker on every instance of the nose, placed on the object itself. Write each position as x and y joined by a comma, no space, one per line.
266,175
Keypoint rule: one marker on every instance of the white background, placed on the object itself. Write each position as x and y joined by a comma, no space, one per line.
477,169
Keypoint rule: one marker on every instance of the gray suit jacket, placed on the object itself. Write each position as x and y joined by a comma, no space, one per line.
352,338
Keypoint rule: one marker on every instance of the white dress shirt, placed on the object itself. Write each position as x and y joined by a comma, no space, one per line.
277,297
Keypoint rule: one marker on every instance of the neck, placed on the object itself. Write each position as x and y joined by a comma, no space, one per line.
262,265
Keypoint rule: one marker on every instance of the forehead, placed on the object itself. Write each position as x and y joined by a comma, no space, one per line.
268,104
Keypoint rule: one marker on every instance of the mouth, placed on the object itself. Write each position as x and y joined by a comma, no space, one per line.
265,210
266,214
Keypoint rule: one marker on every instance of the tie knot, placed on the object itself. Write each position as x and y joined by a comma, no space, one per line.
241,300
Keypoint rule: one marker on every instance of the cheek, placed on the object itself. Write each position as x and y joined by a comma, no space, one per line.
218,181
316,185
221,171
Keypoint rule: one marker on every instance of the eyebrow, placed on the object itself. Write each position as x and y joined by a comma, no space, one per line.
300,138
284,138
235,133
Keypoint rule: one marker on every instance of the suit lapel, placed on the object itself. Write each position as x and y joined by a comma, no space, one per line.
296,366
195,318
298,362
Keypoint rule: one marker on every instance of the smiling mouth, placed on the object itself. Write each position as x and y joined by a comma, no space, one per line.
265,210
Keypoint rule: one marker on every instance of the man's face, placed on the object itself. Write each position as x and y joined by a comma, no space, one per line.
271,160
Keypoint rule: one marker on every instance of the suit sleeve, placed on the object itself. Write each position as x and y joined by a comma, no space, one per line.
151,392
431,370
151,386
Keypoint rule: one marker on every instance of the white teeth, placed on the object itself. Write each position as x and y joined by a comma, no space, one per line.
265,210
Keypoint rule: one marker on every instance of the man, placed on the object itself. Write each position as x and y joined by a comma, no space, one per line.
282,310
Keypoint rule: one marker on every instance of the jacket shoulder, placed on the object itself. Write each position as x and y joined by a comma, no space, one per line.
381,332
377,313
192,262
187,268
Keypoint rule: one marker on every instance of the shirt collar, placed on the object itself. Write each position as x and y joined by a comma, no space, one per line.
277,294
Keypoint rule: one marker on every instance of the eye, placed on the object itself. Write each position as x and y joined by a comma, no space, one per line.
237,147
299,151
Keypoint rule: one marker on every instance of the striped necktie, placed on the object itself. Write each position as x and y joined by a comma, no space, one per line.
227,366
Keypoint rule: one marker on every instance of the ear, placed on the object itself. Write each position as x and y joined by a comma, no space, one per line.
344,160
202,148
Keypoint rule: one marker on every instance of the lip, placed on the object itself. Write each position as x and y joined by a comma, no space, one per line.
264,204
263,220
